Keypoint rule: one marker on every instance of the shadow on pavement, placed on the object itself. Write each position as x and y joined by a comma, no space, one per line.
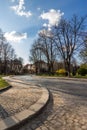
6,121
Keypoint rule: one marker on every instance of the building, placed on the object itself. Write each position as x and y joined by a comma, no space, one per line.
29,68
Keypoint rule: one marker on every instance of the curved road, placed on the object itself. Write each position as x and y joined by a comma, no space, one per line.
67,108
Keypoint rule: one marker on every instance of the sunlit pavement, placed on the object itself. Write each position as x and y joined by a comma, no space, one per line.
67,108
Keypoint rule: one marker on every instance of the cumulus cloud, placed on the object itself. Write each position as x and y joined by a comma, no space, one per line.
53,17
45,33
45,25
20,9
15,36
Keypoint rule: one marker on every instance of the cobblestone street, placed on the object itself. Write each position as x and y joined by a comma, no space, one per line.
60,114
64,112
66,109
18,99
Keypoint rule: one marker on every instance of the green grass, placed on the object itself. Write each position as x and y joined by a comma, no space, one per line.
79,76
3,83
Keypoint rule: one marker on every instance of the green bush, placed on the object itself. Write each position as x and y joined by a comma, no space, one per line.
82,70
61,72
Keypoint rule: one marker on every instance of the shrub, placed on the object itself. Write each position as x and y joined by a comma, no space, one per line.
84,66
61,72
82,70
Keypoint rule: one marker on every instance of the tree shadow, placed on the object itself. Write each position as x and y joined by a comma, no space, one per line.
3,112
6,121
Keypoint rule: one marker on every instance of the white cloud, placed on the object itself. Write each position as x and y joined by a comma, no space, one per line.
20,9
46,33
45,25
53,17
15,36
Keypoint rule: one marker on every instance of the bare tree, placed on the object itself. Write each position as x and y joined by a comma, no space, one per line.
17,66
83,52
12,57
44,49
46,45
36,55
2,41
67,38
1,44
7,57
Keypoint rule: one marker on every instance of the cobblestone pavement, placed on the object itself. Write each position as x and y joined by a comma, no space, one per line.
60,114
17,99
65,111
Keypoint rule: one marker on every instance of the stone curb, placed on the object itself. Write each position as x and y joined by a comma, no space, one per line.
14,122
4,89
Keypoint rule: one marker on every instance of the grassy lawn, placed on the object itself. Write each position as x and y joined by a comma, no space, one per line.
3,83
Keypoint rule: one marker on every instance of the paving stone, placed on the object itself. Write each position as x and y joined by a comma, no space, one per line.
17,99
65,111
62,115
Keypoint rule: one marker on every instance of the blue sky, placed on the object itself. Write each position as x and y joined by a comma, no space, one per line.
21,20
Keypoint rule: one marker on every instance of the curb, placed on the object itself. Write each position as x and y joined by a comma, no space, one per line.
6,88
14,122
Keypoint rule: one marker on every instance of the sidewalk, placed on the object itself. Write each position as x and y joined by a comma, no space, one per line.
20,102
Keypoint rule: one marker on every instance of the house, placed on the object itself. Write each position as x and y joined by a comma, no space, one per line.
11,67
41,67
29,68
